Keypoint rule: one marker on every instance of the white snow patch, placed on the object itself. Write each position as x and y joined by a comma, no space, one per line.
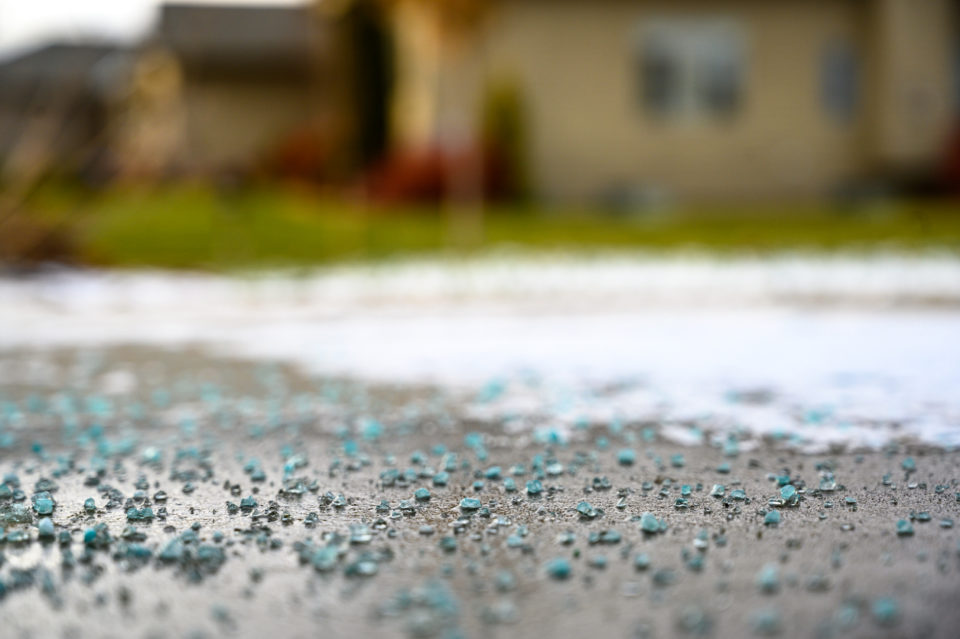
849,349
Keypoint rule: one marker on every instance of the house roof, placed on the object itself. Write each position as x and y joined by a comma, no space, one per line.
242,36
59,70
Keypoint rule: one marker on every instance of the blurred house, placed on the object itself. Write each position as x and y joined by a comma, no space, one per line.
278,90
242,77
568,100
698,98
55,107
214,91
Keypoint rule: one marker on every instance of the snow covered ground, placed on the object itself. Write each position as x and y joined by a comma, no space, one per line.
817,350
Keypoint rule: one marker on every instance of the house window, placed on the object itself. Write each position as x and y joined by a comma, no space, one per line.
691,68
840,81
662,76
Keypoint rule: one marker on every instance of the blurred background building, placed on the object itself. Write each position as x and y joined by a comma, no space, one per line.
55,107
618,101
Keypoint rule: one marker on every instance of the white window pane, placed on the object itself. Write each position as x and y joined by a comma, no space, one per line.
840,80
661,77
691,67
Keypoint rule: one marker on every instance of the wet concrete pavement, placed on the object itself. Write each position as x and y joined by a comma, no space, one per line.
429,568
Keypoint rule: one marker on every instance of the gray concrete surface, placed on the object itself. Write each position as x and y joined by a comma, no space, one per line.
65,411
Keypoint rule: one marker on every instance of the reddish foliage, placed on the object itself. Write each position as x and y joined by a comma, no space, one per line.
434,175
303,154
951,164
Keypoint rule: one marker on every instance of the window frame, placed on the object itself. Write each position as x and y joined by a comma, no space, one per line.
840,79
691,46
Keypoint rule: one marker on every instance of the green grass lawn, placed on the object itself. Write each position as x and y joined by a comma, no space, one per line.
196,227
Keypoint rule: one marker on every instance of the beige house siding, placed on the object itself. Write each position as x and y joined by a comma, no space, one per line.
914,92
578,67
576,64
228,123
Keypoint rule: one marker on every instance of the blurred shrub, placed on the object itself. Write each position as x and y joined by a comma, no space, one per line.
435,175
505,136
301,155
27,241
